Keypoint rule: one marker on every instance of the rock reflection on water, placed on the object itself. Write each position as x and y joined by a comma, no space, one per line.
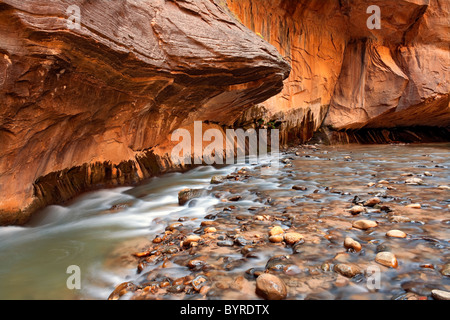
103,231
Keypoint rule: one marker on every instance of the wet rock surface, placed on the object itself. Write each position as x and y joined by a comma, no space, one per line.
277,243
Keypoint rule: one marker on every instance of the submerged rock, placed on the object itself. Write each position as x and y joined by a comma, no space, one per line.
347,270
185,195
271,287
350,243
364,224
387,259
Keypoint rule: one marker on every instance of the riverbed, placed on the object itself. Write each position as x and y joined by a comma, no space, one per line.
101,232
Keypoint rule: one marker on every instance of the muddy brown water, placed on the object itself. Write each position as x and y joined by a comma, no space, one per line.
100,240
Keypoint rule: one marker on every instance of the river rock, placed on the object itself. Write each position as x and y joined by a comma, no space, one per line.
196,264
235,198
188,194
414,206
276,231
300,188
217,179
191,239
225,243
210,230
446,270
355,210
350,243
270,287
372,202
387,259
399,219
440,294
292,237
347,269
276,238
396,234
414,181
364,224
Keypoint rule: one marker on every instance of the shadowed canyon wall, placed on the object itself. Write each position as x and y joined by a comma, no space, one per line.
346,76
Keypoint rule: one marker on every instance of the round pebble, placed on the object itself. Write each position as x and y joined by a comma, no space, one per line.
387,259
347,270
350,243
372,202
292,237
440,294
396,234
277,238
270,287
364,224
357,210
276,231
191,239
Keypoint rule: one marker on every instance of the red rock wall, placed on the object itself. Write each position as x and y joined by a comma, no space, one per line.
347,76
92,107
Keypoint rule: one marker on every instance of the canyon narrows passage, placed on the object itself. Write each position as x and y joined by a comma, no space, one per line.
346,105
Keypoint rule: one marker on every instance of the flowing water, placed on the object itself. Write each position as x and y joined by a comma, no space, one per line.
90,234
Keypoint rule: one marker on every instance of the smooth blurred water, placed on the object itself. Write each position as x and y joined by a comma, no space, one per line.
34,258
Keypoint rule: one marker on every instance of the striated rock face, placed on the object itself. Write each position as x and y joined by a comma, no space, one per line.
94,106
349,77
312,36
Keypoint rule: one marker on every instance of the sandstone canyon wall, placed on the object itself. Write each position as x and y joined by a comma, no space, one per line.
90,107
348,77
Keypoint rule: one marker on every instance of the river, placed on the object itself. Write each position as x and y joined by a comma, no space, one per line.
88,233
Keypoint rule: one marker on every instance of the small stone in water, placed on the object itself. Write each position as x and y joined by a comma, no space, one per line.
191,239
276,230
446,270
270,287
196,263
292,237
234,198
364,224
277,238
347,270
396,234
176,289
188,194
171,250
225,243
357,210
350,243
414,206
414,181
440,294
387,259
210,230
240,241
372,202
399,219
301,188
217,179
